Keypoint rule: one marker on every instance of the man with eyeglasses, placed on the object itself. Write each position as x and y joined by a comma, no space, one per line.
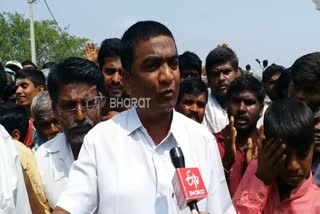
75,86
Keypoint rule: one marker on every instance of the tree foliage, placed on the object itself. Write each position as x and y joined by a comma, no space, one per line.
50,44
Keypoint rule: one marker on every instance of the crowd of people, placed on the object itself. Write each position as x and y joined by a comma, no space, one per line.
69,143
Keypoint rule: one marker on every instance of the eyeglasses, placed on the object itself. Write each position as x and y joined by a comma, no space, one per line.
86,104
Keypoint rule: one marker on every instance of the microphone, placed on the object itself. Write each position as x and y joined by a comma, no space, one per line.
187,182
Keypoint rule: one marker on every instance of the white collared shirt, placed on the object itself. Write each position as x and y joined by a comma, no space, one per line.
215,117
54,159
120,169
13,194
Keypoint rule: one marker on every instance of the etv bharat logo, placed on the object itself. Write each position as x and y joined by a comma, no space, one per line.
192,179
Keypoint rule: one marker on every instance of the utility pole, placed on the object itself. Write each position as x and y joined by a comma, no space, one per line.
32,37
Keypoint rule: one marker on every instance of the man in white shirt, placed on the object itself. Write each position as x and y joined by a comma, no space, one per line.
74,86
221,68
13,194
124,165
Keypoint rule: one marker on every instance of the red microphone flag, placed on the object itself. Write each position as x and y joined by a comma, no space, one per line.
188,186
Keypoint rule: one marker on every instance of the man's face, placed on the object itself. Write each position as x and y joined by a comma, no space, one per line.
155,73
185,74
112,73
296,167
193,106
47,126
26,91
269,85
316,149
77,110
246,109
309,94
220,77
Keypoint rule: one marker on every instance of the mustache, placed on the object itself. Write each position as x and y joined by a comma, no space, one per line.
242,117
84,124
193,115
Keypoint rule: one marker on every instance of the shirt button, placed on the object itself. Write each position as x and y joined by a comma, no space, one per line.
261,195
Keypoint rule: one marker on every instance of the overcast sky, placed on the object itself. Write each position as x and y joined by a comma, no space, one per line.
277,30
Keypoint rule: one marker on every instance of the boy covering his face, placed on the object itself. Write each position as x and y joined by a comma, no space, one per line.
280,180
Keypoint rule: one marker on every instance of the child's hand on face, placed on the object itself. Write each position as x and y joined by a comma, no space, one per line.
271,158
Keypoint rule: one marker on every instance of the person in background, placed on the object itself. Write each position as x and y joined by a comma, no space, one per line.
111,69
221,69
75,86
270,77
15,120
304,85
192,99
280,181
9,93
27,64
282,85
316,151
29,83
43,118
190,65
237,141
305,79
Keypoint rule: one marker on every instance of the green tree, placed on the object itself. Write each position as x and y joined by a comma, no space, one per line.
50,44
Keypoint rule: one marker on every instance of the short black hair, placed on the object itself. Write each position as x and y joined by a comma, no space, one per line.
219,56
8,91
192,86
109,48
306,70
14,116
140,31
28,62
292,121
247,83
73,70
35,76
282,84
190,61
270,71
48,65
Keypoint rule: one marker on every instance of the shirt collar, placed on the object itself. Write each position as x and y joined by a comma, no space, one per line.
177,128
134,123
302,189
58,145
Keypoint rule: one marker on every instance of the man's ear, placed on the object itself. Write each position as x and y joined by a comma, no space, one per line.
126,81
16,134
40,88
238,72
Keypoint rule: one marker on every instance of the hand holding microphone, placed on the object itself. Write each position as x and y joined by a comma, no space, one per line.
187,182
